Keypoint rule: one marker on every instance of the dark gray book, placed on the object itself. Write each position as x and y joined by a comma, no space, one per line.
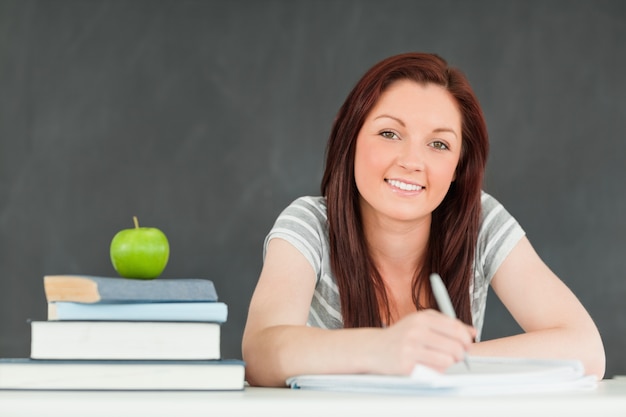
95,289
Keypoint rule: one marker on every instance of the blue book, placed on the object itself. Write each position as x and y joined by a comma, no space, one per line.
94,289
216,312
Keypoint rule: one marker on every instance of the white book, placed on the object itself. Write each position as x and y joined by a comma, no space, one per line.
125,340
485,376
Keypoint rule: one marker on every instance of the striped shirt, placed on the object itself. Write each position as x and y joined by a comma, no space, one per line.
304,224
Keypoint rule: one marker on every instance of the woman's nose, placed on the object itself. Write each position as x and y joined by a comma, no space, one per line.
411,156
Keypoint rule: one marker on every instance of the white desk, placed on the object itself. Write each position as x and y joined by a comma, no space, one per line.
608,399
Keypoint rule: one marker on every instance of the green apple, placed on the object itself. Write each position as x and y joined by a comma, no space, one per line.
141,252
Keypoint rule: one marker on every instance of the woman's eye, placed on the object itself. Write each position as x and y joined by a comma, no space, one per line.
387,134
439,145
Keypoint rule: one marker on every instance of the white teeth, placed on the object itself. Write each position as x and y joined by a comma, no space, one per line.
404,186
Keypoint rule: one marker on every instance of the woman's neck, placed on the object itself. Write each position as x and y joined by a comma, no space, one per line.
398,250
396,246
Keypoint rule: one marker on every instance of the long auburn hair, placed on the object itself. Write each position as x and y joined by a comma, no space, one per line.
455,223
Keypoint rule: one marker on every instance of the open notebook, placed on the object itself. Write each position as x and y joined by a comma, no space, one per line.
485,376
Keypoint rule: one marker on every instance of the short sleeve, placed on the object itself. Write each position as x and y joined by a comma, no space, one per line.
303,224
499,233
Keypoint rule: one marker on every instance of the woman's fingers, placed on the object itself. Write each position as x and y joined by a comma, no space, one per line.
429,338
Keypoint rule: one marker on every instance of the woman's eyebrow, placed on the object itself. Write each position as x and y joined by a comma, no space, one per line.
390,117
445,129
401,122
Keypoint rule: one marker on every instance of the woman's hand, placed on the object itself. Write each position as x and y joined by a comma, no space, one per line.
426,337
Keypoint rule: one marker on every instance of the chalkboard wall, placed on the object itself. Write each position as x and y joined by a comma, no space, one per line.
206,118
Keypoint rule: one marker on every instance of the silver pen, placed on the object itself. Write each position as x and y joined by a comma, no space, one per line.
443,301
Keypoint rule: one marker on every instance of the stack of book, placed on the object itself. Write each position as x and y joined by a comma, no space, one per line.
108,333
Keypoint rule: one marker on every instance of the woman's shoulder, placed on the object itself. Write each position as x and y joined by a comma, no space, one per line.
310,201
493,209
497,224
499,231
303,224
488,201
307,207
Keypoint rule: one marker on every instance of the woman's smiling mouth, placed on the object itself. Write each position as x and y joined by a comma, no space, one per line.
403,185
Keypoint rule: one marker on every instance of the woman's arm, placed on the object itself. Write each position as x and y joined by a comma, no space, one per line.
555,323
278,344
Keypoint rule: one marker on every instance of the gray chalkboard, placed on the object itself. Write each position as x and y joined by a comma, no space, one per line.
206,118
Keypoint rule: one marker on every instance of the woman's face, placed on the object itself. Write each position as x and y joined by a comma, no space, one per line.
407,151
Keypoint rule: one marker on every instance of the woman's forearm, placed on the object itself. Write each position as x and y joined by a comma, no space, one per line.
583,344
275,353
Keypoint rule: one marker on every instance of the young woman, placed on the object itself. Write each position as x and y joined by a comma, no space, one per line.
344,286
